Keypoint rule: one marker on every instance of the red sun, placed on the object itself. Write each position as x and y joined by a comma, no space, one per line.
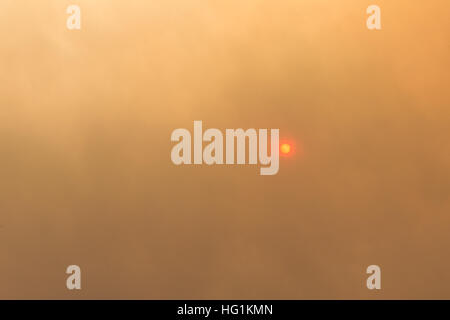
285,148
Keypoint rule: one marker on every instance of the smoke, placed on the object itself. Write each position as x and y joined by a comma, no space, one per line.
86,176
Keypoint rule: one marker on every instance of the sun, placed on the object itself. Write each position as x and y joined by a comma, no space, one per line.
285,148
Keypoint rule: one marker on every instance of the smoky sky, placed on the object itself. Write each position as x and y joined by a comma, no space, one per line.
85,171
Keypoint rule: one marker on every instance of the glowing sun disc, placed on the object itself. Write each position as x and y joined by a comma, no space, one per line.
285,148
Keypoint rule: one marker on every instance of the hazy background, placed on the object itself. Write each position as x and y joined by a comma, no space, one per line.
85,170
